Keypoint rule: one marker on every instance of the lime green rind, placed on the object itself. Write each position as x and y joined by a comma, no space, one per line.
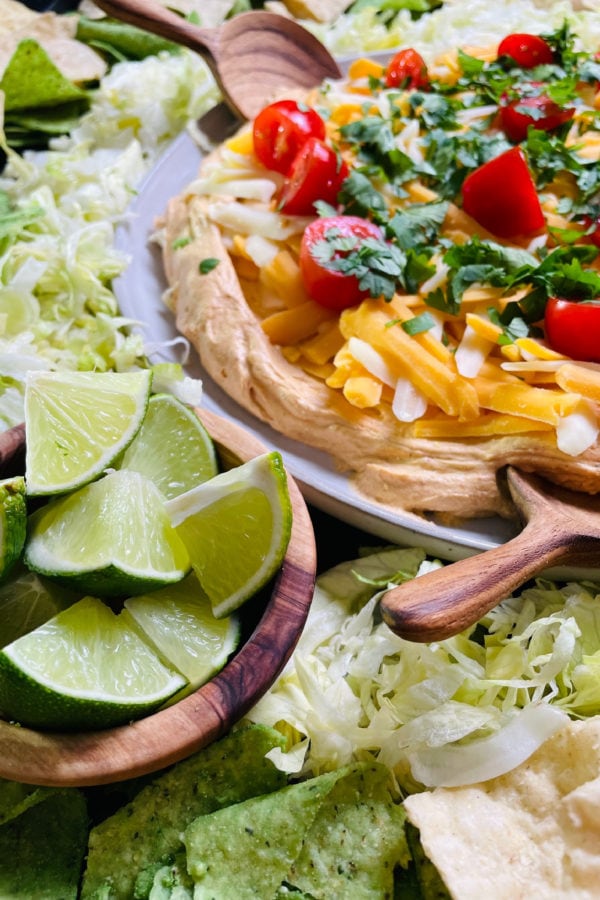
176,465
37,706
13,523
84,668
78,423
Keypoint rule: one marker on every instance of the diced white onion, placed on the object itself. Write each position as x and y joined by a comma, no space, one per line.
578,431
471,353
454,766
472,113
438,278
261,250
408,404
244,188
368,357
245,219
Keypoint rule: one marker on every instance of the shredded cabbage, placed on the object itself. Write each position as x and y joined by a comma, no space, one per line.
58,213
457,23
451,712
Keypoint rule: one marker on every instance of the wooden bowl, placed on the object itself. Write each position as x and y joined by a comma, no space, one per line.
167,736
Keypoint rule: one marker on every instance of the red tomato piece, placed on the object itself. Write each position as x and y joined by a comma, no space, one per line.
573,328
501,196
594,236
407,69
323,282
317,173
527,50
546,115
280,130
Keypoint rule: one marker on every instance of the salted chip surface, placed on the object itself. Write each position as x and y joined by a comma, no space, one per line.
147,832
537,825
56,34
336,835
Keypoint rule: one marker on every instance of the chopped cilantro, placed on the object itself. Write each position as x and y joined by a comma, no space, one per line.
180,242
418,324
417,224
207,265
361,198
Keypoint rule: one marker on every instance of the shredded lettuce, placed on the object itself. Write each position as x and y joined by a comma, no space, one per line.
450,712
58,213
457,23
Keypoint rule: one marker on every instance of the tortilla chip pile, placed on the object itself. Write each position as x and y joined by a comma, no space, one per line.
224,823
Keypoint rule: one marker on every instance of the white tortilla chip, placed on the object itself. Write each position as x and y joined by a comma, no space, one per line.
56,34
534,832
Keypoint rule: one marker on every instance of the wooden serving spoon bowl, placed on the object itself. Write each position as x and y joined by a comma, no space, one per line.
170,735
561,527
254,56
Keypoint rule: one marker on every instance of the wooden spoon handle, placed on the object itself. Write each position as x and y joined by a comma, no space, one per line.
442,603
151,16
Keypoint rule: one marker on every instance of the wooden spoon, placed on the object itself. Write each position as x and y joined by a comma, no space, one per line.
561,527
254,56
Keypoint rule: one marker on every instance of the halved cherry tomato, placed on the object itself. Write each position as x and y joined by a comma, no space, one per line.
280,130
545,115
407,69
317,173
324,283
593,226
573,328
527,50
501,196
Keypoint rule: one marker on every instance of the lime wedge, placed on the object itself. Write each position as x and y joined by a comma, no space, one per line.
180,624
84,668
13,522
27,601
77,423
236,528
178,464
110,538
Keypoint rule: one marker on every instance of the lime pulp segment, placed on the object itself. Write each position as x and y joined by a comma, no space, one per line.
172,448
84,668
77,423
236,528
179,622
109,538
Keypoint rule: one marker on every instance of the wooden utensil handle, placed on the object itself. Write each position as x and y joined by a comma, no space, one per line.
153,17
446,601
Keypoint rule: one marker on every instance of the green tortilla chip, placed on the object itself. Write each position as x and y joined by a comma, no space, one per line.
148,830
32,80
42,850
337,835
244,851
356,842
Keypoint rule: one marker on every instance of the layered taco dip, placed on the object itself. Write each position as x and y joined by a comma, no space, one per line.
402,269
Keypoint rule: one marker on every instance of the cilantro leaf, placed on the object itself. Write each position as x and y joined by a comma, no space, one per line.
417,224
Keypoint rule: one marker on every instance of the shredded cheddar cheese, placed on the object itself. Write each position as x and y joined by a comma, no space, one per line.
465,375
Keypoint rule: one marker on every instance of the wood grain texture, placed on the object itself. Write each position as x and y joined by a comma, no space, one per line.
562,527
149,744
253,56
